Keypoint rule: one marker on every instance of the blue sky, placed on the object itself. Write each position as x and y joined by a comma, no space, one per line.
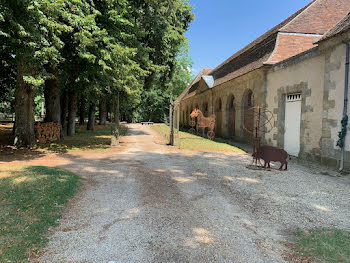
223,27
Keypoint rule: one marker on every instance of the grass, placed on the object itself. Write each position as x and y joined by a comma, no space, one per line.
31,200
197,143
324,245
96,140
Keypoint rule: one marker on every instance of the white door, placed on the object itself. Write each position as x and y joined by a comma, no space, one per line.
292,124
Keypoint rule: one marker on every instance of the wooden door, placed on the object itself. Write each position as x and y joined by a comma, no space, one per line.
292,124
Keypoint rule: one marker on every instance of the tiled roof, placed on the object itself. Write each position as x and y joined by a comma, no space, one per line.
318,17
241,66
341,27
289,45
264,38
194,84
315,18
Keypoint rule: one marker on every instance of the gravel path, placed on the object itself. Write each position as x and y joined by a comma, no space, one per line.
152,203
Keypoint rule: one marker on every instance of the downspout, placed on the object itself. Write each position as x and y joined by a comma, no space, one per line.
344,121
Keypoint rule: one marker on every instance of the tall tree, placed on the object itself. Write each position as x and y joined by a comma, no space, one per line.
103,110
164,24
52,96
81,65
82,109
118,46
92,111
154,103
30,30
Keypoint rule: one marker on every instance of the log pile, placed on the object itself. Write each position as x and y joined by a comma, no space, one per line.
47,132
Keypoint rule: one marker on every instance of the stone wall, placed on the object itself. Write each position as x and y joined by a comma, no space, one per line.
333,103
238,89
317,74
303,74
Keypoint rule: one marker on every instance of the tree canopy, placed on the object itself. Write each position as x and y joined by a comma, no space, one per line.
95,49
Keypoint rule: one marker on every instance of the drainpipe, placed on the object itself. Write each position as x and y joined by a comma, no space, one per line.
345,110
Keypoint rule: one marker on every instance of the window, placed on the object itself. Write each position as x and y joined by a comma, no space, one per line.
294,97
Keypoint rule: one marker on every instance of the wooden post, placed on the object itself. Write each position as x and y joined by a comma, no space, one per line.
116,123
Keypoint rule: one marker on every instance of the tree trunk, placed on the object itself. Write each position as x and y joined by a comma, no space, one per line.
103,110
72,112
52,98
24,108
92,111
64,111
82,110
13,117
150,115
109,111
115,126
149,81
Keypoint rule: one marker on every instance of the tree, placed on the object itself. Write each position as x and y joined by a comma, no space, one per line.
52,96
103,47
7,79
164,24
154,103
120,71
30,30
103,110
183,74
92,111
80,64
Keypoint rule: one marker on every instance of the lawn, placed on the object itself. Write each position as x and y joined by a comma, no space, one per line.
197,143
96,140
32,198
324,245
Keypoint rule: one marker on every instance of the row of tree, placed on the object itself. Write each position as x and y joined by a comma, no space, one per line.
91,52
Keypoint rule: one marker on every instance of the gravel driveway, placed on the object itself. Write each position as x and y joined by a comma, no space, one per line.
149,202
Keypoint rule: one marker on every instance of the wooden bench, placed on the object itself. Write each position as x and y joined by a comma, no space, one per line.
146,122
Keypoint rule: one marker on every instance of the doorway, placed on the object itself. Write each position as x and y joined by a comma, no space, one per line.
292,124
231,116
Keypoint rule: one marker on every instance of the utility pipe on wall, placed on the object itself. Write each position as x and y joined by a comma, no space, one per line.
345,110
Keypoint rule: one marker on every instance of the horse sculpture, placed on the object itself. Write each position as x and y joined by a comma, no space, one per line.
204,122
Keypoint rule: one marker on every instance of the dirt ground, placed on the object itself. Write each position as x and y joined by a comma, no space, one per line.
148,202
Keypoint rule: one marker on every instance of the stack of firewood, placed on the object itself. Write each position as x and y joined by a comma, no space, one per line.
46,132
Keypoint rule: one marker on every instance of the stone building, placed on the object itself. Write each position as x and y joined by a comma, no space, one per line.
296,70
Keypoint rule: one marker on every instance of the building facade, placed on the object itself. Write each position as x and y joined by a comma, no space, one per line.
296,71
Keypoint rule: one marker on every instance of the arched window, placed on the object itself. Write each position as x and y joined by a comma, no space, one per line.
231,103
218,115
248,123
231,116
218,105
250,102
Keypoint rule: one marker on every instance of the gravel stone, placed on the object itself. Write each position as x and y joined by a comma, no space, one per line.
154,203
